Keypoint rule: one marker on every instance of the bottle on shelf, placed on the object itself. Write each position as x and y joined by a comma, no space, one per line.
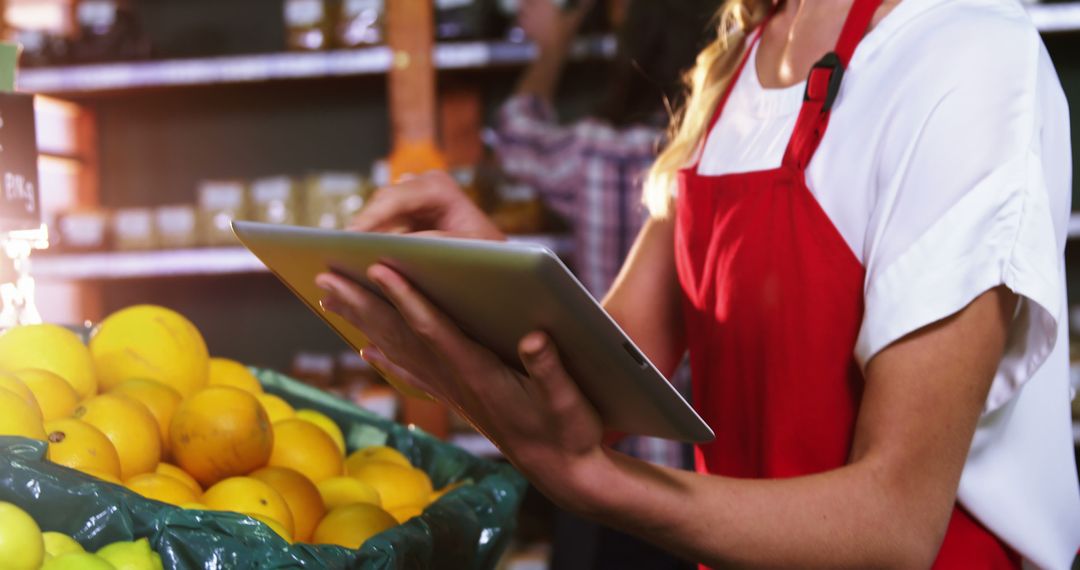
308,24
177,227
219,203
274,200
360,23
133,229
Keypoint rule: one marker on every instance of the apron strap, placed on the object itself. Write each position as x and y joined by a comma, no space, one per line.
730,86
823,85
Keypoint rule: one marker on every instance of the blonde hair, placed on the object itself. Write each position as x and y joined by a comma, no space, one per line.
706,83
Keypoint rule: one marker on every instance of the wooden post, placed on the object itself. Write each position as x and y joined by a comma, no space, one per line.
414,125
410,33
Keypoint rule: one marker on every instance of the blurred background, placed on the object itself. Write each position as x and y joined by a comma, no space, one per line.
160,121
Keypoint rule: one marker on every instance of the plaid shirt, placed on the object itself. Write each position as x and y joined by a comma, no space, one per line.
590,173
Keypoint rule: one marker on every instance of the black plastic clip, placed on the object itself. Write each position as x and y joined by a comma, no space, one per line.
829,63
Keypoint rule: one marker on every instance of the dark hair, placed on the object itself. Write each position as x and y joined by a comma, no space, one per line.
658,41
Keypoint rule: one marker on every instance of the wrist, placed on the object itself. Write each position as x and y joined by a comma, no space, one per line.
585,485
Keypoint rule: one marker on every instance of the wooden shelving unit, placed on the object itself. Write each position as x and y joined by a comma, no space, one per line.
112,77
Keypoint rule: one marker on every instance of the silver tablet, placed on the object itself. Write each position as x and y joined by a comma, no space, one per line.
496,292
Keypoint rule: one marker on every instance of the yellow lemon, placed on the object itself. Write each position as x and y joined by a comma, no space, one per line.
276,408
52,348
58,544
324,423
180,475
151,342
249,495
305,502
56,398
225,372
194,507
341,491
77,561
350,526
402,514
161,488
276,526
18,418
397,485
11,383
76,444
304,447
377,453
21,544
129,426
220,432
160,400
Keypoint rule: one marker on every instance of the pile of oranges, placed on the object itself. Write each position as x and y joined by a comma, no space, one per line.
145,406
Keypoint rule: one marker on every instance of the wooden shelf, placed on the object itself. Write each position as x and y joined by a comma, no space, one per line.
1057,17
110,77
188,262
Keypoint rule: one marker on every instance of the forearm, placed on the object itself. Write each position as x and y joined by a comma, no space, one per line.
849,517
541,78
646,300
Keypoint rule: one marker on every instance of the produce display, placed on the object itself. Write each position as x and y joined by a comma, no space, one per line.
145,406
23,546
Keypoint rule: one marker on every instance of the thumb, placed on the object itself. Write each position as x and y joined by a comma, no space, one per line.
548,377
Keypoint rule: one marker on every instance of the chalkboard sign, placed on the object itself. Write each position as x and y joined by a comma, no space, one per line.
20,197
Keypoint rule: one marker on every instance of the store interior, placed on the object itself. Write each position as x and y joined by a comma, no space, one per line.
160,121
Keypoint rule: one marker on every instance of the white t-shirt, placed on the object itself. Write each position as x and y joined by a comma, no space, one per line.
946,167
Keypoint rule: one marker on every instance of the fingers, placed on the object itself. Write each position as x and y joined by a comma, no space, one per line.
549,378
414,203
388,369
428,322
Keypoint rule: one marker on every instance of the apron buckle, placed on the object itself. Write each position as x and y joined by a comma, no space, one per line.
823,83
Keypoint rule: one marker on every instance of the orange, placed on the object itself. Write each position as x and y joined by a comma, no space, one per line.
276,408
76,444
18,418
305,502
194,507
402,514
398,486
161,488
326,424
441,492
225,372
158,398
180,475
249,495
52,348
11,383
129,426
276,526
104,477
377,453
55,397
304,447
340,491
220,432
350,526
151,342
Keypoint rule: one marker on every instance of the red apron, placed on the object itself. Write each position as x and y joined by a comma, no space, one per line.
773,301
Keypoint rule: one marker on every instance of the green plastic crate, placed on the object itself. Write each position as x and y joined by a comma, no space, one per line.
469,527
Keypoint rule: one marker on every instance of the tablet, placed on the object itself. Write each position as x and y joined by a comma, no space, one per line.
496,292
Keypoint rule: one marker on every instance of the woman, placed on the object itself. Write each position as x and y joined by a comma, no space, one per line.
868,273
